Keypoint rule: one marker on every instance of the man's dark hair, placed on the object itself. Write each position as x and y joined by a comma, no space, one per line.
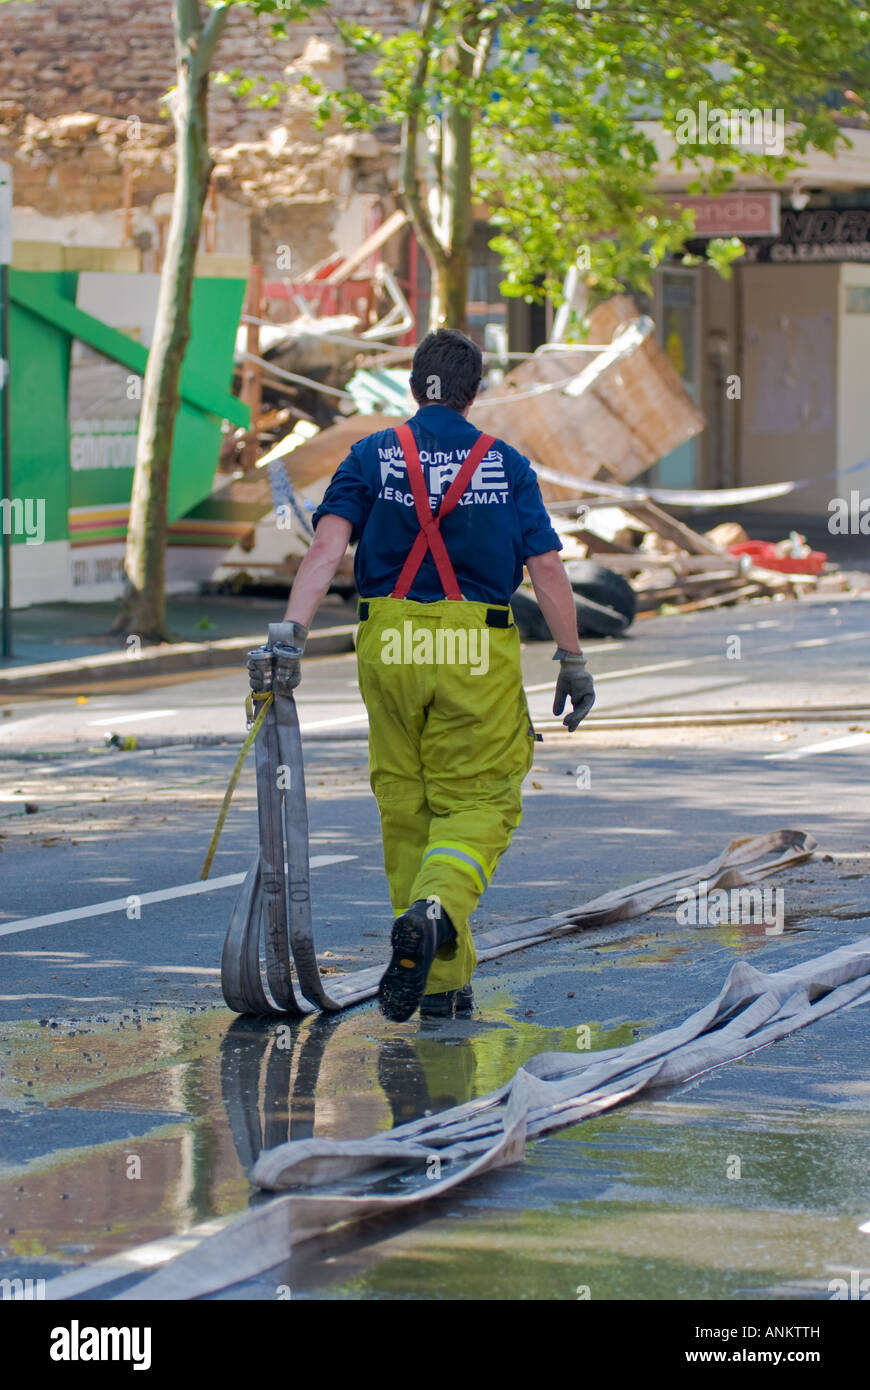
446,370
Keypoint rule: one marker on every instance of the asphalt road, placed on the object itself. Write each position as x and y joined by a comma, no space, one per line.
116,1045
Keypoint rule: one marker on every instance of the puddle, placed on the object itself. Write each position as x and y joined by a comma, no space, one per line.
659,948
731,1188
122,1130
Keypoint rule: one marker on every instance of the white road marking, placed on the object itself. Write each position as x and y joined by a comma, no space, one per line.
631,671
130,718
52,957
362,718
184,969
829,745
697,660
70,998
332,723
184,890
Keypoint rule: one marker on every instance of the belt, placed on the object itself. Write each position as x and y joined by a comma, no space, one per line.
495,617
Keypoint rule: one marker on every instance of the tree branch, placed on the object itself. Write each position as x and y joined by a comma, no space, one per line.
408,161
484,47
187,24
457,128
211,33
719,24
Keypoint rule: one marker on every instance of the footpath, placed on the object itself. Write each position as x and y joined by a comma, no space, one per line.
68,648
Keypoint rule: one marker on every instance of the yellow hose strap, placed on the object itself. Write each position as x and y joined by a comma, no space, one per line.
264,699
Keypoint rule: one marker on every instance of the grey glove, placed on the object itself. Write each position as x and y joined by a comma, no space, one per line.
574,684
279,659
287,635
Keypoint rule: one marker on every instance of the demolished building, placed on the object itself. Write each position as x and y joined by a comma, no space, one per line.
769,358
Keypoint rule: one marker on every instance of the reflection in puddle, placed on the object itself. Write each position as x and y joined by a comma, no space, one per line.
146,1123
658,948
641,1203
115,1136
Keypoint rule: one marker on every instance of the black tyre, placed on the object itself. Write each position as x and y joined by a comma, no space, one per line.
593,581
605,604
596,619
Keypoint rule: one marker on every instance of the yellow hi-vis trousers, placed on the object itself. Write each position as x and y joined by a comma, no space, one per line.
450,742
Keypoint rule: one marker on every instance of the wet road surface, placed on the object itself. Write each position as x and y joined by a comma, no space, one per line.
133,1106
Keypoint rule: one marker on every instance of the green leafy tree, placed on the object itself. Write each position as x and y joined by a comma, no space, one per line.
143,609
198,29
541,112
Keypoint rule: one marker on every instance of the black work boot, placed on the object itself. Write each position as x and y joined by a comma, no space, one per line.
455,1003
417,935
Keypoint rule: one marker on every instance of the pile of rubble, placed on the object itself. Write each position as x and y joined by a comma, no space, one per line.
591,418
673,569
291,180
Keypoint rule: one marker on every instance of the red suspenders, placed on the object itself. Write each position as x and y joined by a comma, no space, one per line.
429,537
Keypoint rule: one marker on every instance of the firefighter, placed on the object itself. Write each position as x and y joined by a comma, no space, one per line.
444,518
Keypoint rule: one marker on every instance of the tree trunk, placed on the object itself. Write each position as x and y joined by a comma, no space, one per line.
443,221
143,609
448,304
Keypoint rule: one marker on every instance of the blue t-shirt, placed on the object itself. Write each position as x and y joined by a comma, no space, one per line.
496,525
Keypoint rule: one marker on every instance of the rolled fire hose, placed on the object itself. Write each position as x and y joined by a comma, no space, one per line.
273,911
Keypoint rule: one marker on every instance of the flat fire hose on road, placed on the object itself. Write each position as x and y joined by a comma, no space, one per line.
357,1177
327,1183
274,905
275,900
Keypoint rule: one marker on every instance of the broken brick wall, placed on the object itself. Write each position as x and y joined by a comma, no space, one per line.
58,56
82,87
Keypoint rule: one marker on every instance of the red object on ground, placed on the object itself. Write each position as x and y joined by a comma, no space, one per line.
765,554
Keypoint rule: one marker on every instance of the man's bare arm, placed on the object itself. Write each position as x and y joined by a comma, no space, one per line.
556,598
317,570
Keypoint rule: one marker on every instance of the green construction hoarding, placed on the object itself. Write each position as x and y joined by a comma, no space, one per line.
78,355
